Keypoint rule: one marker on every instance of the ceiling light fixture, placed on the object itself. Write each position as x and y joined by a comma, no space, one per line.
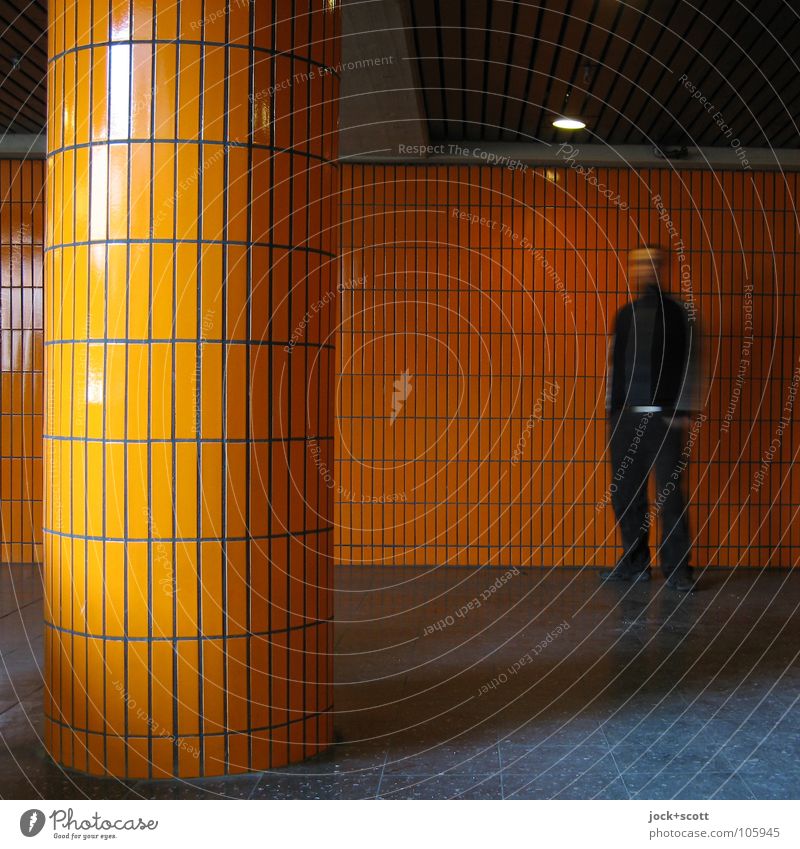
568,124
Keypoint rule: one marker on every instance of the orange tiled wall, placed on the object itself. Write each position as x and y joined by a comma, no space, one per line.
494,290
21,240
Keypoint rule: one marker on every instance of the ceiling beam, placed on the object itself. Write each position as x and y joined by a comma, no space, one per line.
518,155
521,155
23,146
379,98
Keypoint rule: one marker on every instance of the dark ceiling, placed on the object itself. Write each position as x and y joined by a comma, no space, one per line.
499,70
23,64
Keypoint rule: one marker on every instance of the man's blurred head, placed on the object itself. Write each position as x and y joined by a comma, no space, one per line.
646,266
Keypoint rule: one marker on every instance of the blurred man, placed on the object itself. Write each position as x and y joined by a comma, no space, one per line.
652,391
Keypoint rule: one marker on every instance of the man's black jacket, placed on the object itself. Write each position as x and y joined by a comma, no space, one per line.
653,355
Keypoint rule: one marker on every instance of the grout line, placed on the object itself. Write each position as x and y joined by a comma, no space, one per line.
620,774
257,784
746,783
383,770
21,607
18,702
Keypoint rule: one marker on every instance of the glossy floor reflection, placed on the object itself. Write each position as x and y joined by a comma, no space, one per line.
460,684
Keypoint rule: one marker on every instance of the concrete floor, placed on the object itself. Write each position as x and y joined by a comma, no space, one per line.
645,695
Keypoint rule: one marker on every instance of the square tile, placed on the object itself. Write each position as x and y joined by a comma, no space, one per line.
671,785
428,757
441,787
566,782
772,785
542,758
688,756
353,786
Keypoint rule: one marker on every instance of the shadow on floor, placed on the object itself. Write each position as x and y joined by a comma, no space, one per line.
551,687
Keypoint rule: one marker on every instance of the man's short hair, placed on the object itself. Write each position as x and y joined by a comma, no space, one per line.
654,254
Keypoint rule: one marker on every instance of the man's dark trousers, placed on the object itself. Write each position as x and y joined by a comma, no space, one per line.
641,443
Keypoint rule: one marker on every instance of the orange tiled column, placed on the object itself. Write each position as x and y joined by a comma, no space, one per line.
190,235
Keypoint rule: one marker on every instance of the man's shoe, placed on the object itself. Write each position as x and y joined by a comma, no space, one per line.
626,574
681,581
